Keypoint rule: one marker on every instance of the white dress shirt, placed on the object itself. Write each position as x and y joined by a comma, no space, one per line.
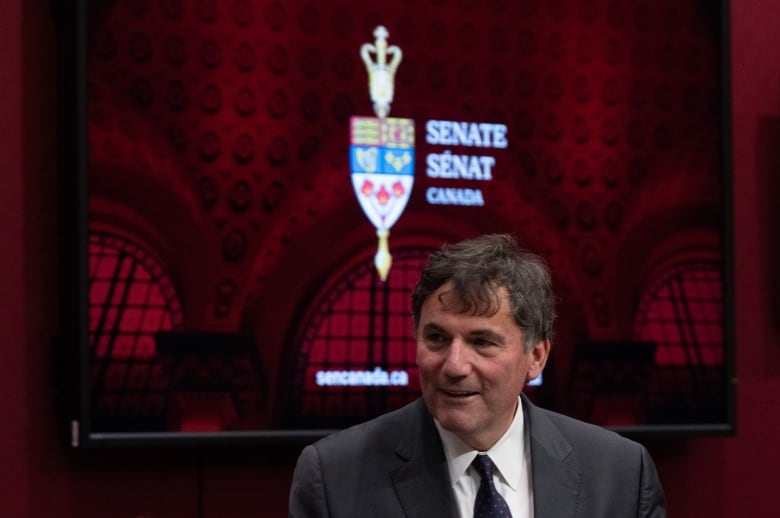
512,477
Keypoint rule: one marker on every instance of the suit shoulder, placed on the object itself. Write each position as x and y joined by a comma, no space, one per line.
588,436
381,432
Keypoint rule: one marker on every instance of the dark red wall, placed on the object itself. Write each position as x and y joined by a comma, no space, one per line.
714,477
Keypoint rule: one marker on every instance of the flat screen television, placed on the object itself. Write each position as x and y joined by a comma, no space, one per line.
250,189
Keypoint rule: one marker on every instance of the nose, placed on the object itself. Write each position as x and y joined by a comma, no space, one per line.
456,363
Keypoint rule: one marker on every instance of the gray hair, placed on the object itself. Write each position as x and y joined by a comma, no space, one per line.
477,269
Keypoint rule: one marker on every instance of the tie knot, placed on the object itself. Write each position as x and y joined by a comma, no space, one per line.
484,466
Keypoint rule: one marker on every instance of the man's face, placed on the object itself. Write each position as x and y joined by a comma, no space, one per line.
473,368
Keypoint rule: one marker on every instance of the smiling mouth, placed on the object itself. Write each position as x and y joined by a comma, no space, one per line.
458,393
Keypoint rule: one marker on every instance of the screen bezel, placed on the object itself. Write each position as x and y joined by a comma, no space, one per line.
72,350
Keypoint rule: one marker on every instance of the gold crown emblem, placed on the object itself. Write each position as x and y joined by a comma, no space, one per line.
381,74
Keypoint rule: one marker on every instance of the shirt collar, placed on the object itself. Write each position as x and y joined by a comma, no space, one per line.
508,454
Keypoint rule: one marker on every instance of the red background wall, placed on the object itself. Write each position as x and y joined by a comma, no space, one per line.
703,476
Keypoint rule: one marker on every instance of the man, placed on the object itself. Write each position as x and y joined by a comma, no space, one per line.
473,445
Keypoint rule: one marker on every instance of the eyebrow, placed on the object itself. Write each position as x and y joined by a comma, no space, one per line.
433,327
476,333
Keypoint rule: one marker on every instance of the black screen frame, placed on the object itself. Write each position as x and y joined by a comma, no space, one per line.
71,350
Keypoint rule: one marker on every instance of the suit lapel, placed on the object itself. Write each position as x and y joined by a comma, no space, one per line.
556,475
422,482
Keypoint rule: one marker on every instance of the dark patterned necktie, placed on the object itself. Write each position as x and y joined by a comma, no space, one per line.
489,504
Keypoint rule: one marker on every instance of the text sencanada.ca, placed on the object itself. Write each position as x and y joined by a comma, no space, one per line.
361,378
452,166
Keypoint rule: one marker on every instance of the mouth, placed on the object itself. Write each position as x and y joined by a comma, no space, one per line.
459,394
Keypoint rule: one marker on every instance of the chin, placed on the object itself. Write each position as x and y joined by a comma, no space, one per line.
453,421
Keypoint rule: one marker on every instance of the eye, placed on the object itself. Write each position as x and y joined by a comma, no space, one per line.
482,342
436,339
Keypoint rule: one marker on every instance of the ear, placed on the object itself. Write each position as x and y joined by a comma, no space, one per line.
537,359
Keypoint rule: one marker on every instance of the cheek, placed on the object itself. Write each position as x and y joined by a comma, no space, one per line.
423,359
420,358
427,361
429,364
512,372
521,375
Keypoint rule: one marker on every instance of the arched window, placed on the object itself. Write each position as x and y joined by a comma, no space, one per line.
681,312
130,299
356,356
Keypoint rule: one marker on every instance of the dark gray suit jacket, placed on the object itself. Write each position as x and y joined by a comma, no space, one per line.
394,466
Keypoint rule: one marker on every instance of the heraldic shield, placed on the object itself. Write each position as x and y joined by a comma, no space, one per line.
382,164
